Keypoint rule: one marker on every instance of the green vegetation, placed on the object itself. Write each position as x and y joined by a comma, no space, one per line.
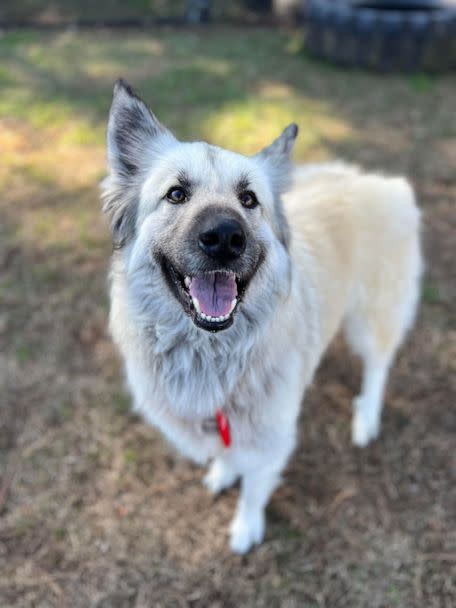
63,11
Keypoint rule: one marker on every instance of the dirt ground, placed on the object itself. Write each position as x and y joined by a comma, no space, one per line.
95,509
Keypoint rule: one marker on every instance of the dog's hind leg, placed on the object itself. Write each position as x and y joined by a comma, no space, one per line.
375,329
368,405
385,294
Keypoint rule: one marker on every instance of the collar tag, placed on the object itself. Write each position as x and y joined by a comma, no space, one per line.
223,426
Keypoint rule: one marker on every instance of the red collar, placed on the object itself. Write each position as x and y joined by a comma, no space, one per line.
223,427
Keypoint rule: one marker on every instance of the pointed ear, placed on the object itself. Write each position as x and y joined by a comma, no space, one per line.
276,161
276,158
132,132
135,139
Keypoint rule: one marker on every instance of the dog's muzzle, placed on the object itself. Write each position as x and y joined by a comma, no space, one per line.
218,268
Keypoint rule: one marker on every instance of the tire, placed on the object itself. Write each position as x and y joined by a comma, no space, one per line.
388,35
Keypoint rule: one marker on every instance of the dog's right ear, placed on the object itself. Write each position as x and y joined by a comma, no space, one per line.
133,132
135,139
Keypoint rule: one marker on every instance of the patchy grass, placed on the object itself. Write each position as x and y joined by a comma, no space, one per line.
421,82
67,11
42,11
431,294
95,509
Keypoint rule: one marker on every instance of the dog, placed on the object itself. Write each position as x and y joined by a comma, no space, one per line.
231,274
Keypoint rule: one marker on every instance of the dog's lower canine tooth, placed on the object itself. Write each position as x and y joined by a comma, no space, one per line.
196,304
187,281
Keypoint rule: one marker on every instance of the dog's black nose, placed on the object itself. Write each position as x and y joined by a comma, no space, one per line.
224,239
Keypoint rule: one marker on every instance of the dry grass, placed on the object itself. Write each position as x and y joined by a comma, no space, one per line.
95,509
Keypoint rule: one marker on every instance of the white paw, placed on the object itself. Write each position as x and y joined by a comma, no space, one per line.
365,426
246,531
219,477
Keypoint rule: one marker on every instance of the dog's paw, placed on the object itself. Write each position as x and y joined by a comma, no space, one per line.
219,477
246,532
365,427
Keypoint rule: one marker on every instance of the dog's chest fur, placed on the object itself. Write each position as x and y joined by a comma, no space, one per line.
196,373
181,374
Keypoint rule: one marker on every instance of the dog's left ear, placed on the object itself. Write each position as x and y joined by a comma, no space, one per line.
276,158
135,139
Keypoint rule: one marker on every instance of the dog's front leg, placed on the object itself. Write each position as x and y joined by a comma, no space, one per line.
247,527
221,475
260,468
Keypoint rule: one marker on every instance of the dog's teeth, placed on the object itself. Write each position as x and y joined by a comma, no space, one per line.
187,281
233,304
213,319
209,318
196,304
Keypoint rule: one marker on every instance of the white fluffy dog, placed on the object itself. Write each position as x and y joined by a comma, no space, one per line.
226,292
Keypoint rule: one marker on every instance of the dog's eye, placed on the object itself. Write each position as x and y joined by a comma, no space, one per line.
248,199
176,195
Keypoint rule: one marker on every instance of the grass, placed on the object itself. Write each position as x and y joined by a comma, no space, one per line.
46,12
95,509
431,294
69,11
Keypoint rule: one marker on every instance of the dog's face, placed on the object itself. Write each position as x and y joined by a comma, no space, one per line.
208,223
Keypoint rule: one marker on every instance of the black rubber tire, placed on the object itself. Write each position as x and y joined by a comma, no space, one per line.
418,36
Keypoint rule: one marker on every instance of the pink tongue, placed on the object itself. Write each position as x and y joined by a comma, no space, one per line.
214,292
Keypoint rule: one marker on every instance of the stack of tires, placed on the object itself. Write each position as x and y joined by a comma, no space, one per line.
383,35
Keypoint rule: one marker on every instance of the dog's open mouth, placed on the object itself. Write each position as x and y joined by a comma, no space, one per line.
214,297
211,298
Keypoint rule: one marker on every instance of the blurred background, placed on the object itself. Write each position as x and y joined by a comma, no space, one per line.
95,509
